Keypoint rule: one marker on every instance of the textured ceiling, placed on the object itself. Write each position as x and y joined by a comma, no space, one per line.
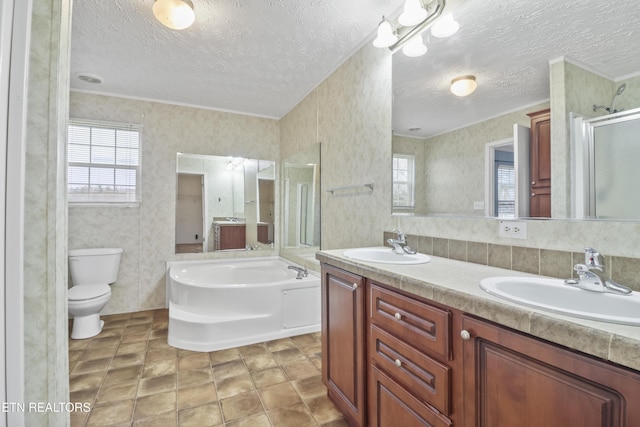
261,57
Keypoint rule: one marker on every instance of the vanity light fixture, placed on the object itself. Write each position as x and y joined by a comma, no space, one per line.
418,16
444,27
463,85
175,14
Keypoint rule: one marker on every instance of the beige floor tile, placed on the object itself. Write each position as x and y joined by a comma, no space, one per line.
268,377
85,381
234,386
129,359
312,350
119,412
194,377
323,410
288,356
194,361
201,416
155,404
128,375
304,340
116,393
159,343
229,369
160,332
100,342
310,387
132,347
102,353
292,416
260,362
155,385
241,406
300,369
135,338
83,396
161,354
280,344
260,420
88,366
337,423
278,396
223,356
196,396
160,367
168,419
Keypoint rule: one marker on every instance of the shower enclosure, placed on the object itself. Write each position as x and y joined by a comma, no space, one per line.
606,153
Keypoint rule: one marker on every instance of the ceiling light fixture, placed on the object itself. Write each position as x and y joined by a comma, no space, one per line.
446,26
418,16
175,14
463,85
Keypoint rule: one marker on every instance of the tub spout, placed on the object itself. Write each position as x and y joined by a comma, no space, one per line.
302,271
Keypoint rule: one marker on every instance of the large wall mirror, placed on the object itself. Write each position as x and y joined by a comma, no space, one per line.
470,156
224,203
301,201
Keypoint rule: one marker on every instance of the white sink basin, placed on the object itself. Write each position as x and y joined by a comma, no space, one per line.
554,295
385,255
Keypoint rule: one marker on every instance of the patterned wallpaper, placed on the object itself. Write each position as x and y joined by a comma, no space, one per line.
147,232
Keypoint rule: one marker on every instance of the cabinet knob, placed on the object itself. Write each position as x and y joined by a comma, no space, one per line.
533,194
355,286
465,335
533,183
398,316
398,363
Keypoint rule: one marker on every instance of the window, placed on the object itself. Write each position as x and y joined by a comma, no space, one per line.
505,191
403,181
103,162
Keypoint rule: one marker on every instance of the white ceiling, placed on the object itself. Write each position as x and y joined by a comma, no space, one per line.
261,57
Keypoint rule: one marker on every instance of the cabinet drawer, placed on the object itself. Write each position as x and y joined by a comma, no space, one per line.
425,327
424,377
391,405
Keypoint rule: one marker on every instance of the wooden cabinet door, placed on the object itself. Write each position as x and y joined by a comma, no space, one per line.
511,379
343,349
232,237
540,162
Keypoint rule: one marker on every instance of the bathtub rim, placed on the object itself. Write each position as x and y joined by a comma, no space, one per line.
170,264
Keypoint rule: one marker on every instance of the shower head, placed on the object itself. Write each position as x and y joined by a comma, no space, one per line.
612,108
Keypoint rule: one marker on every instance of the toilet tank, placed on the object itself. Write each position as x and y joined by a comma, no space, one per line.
94,266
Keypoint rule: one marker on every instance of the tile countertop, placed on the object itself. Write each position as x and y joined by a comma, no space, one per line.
456,284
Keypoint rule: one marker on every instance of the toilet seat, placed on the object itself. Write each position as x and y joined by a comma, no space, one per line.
87,292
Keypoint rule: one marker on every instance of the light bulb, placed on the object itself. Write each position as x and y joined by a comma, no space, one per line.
175,14
464,85
386,35
414,47
413,13
446,26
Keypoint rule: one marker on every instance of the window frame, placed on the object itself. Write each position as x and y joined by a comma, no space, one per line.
115,126
411,181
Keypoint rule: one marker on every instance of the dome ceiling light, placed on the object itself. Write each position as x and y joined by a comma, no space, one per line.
175,14
463,85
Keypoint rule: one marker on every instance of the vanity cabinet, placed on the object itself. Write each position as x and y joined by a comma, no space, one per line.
343,342
390,358
540,164
409,354
513,379
229,236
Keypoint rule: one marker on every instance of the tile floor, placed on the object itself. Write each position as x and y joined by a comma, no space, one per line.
132,377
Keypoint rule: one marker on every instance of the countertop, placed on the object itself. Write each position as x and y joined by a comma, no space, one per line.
456,284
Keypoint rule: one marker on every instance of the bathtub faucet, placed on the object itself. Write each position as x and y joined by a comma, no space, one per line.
302,271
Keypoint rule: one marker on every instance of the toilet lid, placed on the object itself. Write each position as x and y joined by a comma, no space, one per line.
84,292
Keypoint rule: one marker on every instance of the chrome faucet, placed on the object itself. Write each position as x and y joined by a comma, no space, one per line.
399,244
592,278
302,271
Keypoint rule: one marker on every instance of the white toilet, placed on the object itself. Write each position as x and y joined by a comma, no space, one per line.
92,271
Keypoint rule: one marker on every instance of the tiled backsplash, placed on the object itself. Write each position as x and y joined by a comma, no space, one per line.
546,262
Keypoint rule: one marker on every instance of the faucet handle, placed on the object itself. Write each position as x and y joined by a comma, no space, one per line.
400,235
593,258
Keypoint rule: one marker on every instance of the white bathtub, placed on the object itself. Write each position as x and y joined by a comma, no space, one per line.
218,304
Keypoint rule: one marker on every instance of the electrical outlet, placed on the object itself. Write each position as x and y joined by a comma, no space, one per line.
478,206
513,229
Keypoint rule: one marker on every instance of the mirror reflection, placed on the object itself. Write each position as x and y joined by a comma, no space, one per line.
507,150
223,203
301,201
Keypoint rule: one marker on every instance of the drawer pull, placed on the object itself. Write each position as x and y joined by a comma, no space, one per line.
398,316
398,363
355,286
465,335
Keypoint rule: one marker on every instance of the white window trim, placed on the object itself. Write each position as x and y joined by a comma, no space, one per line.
118,126
411,181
